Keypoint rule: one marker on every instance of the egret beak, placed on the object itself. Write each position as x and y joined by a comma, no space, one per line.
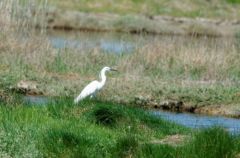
113,69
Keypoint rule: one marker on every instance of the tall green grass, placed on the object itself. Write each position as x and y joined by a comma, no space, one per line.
208,143
233,1
212,143
61,129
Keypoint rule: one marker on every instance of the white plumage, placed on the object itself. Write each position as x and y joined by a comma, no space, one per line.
94,86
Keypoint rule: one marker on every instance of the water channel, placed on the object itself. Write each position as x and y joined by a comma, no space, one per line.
186,119
119,43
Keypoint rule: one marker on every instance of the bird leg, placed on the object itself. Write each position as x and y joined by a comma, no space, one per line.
93,96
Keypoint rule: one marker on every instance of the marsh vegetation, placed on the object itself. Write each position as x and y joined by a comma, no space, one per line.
199,72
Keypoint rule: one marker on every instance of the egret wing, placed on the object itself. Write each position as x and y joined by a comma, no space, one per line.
88,90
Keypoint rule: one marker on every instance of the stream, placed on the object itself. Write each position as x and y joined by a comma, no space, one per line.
201,121
116,43
186,119
119,43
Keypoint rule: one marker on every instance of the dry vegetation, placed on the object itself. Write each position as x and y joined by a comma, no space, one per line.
164,70
184,8
203,70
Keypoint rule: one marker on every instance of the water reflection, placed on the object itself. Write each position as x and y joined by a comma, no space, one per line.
106,42
119,43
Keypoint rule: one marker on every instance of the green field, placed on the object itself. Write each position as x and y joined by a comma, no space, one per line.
101,129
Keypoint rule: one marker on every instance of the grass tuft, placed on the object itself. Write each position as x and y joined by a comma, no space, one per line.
211,143
127,146
156,151
233,1
106,116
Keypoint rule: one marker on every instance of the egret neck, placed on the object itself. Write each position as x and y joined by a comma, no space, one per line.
103,78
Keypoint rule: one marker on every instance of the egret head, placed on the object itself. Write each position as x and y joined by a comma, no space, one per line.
108,69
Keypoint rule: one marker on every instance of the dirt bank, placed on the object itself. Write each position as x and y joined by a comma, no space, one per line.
31,88
180,106
73,20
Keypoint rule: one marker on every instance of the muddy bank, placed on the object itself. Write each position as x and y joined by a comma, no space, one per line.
180,106
73,20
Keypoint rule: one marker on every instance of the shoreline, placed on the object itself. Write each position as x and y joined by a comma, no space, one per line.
180,106
136,24
145,103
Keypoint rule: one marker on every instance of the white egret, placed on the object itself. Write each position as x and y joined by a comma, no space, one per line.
94,86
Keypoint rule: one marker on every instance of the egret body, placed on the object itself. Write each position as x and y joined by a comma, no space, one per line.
94,86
